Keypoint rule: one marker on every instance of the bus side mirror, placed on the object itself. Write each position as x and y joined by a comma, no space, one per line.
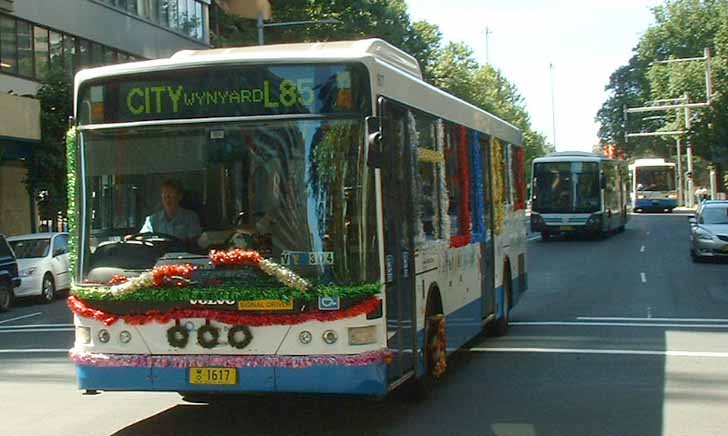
374,142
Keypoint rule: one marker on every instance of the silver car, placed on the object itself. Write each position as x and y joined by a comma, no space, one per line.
709,230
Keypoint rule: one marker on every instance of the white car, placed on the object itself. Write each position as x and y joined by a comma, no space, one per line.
42,264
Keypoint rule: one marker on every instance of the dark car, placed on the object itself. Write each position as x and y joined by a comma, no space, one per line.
9,279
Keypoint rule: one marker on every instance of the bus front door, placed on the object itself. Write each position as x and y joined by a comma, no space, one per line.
397,200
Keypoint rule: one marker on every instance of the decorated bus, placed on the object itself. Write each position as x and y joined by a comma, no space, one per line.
579,192
294,218
654,185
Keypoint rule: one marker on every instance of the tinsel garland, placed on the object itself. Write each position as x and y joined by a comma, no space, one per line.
509,173
72,211
429,156
445,226
498,172
478,210
231,291
164,274
80,308
519,157
226,361
463,236
414,138
237,257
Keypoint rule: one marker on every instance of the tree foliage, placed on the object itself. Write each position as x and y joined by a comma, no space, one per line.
451,67
682,29
47,167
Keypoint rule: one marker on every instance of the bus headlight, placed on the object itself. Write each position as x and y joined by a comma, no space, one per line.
672,196
640,196
330,337
362,335
83,334
125,337
104,336
305,337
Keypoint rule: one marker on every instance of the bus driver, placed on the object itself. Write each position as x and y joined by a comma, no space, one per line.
173,219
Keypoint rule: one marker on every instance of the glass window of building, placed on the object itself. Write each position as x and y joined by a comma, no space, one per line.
40,35
25,49
69,53
8,44
56,48
97,54
84,55
110,56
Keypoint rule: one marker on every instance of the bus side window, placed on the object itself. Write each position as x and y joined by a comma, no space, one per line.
429,165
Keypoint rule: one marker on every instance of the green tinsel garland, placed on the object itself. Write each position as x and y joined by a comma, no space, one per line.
72,212
231,292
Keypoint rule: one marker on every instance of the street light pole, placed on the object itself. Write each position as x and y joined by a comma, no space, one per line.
487,49
689,152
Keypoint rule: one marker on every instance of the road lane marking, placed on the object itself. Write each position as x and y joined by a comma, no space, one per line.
643,276
34,350
20,317
666,353
628,318
32,326
649,312
614,324
36,330
642,250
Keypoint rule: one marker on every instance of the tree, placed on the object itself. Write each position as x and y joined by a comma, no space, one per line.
46,179
682,29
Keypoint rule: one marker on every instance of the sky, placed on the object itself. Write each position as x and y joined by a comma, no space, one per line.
584,40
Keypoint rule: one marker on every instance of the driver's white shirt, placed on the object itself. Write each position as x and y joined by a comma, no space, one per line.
184,225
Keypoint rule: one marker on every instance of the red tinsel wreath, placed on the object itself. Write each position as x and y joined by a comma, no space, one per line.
163,273
235,257
463,238
80,308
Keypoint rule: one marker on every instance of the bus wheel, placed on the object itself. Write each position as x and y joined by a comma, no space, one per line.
501,324
545,236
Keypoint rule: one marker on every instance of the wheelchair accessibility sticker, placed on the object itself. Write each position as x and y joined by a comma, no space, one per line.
329,303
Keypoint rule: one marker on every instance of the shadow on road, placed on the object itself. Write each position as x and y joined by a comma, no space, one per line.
487,394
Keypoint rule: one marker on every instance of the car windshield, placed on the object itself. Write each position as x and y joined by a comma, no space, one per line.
30,248
714,215
297,191
563,187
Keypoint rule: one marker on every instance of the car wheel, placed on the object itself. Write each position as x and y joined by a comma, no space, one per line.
48,289
6,297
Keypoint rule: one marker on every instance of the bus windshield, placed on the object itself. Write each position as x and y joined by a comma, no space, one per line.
566,187
297,191
655,178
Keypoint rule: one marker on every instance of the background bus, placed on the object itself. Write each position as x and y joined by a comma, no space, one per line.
654,185
380,222
578,192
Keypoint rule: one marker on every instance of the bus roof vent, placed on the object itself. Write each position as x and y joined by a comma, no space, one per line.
375,47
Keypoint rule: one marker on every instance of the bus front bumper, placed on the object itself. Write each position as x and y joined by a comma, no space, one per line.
556,224
655,203
365,379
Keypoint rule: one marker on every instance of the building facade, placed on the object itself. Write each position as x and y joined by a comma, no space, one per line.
38,34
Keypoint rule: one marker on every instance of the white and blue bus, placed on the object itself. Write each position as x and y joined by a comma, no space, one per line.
654,185
356,223
578,192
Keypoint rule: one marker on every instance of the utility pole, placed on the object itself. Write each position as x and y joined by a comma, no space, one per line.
487,49
680,188
689,152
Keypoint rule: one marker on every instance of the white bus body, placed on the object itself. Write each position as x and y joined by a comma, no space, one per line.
654,185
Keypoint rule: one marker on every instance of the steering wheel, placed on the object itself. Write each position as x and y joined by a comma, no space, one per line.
153,235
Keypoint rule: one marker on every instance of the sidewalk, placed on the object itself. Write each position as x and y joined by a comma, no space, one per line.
684,209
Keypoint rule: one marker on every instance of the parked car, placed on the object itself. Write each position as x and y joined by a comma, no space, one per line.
9,278
709,230
43,264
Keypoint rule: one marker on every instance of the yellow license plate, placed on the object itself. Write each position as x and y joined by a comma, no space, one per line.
725,248
213,376
265,305
567,228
